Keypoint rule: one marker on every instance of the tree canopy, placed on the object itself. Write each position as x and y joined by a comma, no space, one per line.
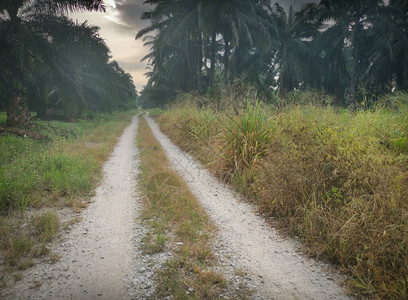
353,49
54,66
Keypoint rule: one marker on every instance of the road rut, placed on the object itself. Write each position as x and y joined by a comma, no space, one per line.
254,245
98,254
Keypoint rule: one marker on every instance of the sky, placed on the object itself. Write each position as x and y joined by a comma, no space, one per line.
119,26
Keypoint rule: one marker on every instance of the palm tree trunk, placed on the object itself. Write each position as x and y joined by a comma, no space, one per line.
199,61
353,74
190,64
226,60
18,114
352,92
213,50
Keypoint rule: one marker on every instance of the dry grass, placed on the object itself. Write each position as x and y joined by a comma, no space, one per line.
337,180
178,222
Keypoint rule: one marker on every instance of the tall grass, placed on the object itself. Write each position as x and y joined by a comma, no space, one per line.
337,180
244,141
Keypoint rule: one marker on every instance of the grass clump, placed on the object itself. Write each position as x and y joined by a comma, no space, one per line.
175,215
337,180
46,225
244,141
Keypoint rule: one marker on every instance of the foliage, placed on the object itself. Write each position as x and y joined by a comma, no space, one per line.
335,179
56,66
352,50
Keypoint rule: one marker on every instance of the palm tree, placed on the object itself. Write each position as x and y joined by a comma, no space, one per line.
352,18
244,25
26,46
188,36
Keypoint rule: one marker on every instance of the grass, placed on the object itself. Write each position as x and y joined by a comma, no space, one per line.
39,176
155,112
39,172
3,117
176,221
337,180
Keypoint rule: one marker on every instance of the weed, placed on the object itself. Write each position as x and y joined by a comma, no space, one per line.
153,244
46,225
17,246
68,166
17,277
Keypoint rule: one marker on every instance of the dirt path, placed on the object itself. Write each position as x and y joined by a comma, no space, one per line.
99,256
253,245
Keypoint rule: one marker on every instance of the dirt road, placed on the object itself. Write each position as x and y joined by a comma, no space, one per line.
100,256
253,245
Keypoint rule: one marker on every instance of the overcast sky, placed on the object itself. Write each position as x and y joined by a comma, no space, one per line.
119,26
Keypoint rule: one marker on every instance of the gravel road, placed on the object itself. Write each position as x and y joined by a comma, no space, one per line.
100,258
273,262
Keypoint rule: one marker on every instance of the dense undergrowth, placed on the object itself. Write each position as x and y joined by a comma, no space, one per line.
338,180
50,165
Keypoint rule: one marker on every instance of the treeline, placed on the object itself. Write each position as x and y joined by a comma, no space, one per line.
355,50
54,66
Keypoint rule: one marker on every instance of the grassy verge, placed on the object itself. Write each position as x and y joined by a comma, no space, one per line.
41,173
176,219
337,180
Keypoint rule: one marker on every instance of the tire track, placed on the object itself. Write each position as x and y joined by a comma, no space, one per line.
100,258
254,246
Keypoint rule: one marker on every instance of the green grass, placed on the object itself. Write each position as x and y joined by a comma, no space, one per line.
46,225
169,206
154,112
64,164
337,180
41,175
3,117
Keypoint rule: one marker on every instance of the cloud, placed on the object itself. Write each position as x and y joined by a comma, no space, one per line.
112,3
131,11
118,27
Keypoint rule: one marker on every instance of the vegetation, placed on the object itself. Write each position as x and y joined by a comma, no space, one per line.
337,180
174,213
353,50
54,66
55,164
